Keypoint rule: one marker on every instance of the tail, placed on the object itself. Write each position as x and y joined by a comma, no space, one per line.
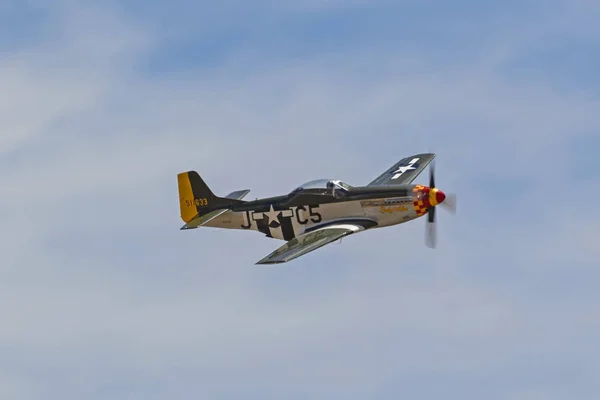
196,198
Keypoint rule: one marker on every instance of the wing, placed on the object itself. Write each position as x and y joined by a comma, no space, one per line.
405,170
310,241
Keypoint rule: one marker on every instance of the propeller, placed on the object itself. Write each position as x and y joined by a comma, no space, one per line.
449,204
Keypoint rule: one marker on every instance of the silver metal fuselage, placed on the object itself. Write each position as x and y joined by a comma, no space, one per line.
383,211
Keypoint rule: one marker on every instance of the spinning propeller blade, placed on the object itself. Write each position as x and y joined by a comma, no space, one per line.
431,232
449,203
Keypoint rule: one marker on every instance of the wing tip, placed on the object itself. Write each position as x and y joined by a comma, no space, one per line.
267,262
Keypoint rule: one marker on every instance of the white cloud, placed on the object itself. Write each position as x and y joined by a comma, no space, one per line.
100,286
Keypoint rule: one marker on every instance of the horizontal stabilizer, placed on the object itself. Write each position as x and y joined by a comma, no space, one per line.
203,219
238,194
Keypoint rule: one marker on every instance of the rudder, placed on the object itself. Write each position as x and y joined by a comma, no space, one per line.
195,197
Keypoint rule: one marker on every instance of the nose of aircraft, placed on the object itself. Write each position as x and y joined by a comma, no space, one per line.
438,196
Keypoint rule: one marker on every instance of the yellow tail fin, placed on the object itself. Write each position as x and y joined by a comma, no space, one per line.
194,195
196,198
187,206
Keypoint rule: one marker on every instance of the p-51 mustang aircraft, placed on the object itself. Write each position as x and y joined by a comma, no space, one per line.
321,211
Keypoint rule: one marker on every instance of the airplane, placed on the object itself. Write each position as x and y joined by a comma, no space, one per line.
321,211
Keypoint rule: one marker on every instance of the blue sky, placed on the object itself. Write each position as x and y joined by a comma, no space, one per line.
104,103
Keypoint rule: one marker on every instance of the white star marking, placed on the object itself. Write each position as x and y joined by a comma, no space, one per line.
402,170
272,214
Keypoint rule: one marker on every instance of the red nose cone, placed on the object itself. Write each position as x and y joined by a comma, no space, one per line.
439,196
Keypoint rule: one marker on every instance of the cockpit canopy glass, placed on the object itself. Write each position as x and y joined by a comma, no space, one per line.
343,184
325,184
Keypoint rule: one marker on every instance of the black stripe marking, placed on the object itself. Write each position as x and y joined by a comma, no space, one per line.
287,228
263,226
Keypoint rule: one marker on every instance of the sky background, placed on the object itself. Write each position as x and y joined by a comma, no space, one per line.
103,103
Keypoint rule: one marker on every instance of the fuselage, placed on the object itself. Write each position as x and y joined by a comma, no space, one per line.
285,217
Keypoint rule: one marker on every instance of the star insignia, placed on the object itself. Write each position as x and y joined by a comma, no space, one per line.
402,169
273,216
